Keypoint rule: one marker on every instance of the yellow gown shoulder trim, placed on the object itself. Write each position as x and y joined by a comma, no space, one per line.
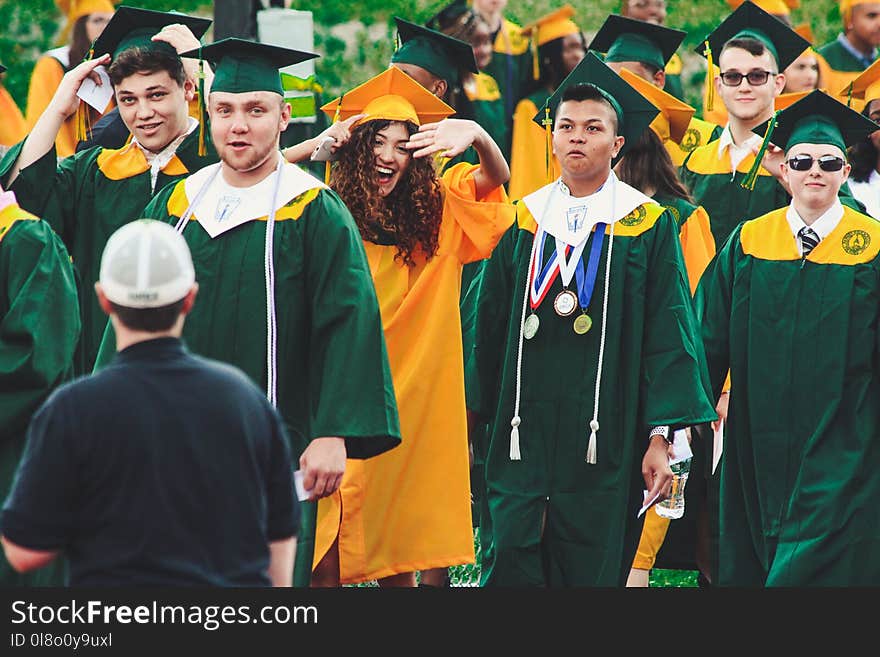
178,203
855,240
635,223
674,66
10,214
707,160
518,44
129,161
485,88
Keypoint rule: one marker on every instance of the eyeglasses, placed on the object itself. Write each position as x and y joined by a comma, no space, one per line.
826,162
755,78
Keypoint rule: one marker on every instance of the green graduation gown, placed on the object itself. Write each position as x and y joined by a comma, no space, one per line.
798,478
85,198
333,375
653,374
39,327
707,174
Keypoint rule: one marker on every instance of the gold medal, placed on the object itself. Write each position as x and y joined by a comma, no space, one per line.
565,303
582,323
530,327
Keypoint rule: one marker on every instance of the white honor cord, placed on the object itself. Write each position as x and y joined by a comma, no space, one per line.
271,320
594,422
516,420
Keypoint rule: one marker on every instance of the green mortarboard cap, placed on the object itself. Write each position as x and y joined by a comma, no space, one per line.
818,119
634,111
750,21
131,27
625,39
437,53
241,66
448,15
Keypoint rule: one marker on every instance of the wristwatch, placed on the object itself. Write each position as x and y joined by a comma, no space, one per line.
662,430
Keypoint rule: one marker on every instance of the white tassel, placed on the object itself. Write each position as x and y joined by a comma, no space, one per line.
514,439
591,446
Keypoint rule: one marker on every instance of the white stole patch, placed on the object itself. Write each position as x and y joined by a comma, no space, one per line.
221,207
571,219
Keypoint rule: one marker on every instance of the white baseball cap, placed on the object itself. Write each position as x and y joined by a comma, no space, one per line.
146,264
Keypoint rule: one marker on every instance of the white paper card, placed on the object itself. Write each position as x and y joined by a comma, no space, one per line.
681,448
717,445
301,493
647,504
97,96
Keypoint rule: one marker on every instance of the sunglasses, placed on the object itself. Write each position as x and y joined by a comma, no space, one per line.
826,162
755,78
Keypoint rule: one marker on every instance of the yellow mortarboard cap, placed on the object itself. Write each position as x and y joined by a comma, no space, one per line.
391,95
806,32
845,6
76,9
866,86
674,117
783,101
777,7
555,25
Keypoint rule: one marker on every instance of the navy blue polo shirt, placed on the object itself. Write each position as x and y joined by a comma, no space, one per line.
163,469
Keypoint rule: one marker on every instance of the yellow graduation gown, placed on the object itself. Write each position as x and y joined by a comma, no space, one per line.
12,126
409,509
528,170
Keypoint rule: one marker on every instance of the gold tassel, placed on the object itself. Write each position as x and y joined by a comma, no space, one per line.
548,143
710,78
82,126
82,122
752,176
327,163
203,147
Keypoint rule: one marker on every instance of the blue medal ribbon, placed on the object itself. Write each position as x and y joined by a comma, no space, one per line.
587,282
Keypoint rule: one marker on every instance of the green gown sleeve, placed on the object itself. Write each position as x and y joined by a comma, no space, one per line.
493,290
675,384
713,304
40,321
46,188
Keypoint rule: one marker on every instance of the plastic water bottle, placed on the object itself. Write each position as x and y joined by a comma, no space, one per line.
680,464
673,506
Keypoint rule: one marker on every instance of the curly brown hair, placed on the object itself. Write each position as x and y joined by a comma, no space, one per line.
409,217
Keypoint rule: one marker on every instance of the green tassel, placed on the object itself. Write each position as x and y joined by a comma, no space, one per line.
752,176
849,95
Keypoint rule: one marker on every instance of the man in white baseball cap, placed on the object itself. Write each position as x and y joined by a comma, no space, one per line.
189,478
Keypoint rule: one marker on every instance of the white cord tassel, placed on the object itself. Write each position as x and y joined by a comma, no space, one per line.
514,439
516,420
594,422
591,445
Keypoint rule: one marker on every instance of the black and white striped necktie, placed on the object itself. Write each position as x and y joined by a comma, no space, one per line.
809,240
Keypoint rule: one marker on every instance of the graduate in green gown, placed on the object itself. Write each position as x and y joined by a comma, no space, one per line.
39,327
599,357
481,90
654,11
790,305
86,197
303,322
645,49
748,40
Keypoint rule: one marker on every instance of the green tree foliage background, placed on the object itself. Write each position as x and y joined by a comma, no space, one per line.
350,56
